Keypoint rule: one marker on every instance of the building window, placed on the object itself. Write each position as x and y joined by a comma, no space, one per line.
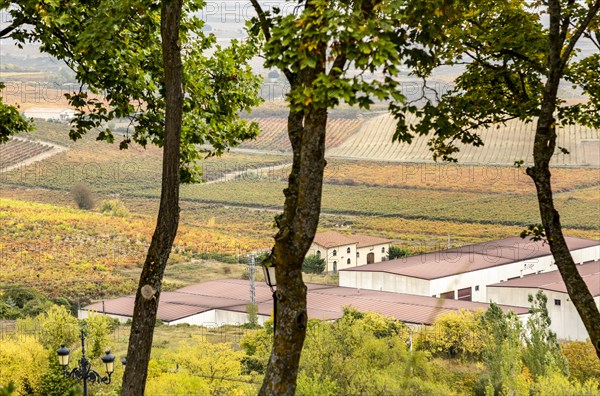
557,302
318,253
383,249
335,267
334,252
357,254
348,261
477,288
348,250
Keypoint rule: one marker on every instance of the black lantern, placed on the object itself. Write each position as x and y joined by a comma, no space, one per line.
109,361
63,355
271,280
84,369
269,273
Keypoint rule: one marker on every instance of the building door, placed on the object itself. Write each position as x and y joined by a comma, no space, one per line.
464,294
335,267
448,295
370,258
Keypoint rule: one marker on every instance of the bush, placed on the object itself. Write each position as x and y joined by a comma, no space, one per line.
114,207
456,334
583,363
313,264
19,302
396,252
23,361
83,196
252,315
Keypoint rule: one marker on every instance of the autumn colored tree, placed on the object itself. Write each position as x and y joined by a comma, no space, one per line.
513,67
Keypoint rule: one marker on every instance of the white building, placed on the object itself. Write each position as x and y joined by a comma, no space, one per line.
346,251
566,322
223,302
463,273
50,114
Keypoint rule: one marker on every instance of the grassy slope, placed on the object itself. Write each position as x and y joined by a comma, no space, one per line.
57,249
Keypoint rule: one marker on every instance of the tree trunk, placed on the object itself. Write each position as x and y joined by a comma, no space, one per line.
576,287
297,227
149,288
543,149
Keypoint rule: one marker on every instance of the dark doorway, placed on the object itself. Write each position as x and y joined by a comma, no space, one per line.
370,258
464,294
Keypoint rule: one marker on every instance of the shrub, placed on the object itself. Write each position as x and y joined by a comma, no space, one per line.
396,252
557,384
22,361
114,207
543,351
252,315
19,302
583,363
83,196
455,334
313,264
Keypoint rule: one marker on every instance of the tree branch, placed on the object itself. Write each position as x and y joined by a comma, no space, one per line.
265,26
592,13
4,33
589,36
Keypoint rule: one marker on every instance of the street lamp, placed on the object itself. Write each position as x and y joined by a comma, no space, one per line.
271,280
84,370
269,272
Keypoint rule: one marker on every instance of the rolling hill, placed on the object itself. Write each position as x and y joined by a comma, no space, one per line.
503,145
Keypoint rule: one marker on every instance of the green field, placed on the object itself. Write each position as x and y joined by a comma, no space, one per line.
577,208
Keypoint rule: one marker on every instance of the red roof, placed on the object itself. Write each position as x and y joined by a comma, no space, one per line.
468,258
331,239
367,240
552,281
324,302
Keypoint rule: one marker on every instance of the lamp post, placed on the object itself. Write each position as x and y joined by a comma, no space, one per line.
84,370
271,280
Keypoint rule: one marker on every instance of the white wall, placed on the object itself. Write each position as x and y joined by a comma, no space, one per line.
384,282
376,250
212,318
587,254
566,322
236,318
488,276
198,319
84,314
340,258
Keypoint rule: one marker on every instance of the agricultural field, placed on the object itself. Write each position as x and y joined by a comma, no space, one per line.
577,208
16,151
40,244
273,135
109,170
454,177
503,145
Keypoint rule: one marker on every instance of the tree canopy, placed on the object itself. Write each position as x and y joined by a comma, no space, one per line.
515,55
114,49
